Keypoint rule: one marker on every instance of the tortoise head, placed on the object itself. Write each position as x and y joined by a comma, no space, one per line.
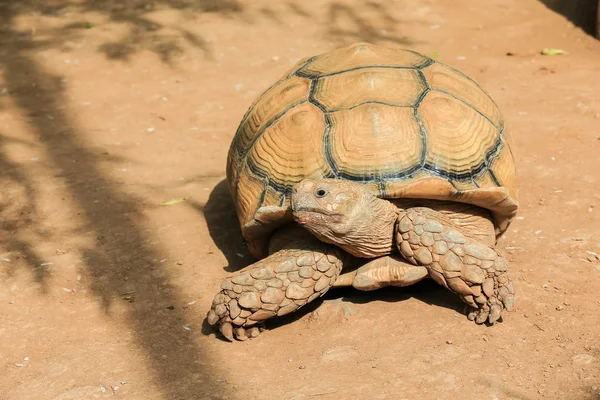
346,214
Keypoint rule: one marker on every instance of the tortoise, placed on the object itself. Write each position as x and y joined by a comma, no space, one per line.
377,160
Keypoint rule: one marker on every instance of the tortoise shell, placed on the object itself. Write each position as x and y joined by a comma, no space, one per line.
401,123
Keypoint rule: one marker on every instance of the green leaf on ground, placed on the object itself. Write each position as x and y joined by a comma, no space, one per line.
553,52
174,201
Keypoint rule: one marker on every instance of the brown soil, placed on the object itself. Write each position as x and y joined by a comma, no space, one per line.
108,110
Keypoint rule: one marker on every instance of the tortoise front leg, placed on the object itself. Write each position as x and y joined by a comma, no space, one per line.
465,266
299,269
380,272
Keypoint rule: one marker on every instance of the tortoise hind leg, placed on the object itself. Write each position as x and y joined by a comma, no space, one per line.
299,269
464,265
380,272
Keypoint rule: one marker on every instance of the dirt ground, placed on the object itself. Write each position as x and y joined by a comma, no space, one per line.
108,110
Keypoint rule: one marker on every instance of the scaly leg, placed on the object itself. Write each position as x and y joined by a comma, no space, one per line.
463,265
381,272
299,269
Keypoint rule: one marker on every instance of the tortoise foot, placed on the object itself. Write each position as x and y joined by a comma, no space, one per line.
277,285
465,266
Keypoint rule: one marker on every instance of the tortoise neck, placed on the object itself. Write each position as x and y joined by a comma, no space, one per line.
371,230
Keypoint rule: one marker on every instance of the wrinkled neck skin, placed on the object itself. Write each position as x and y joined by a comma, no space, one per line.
372,233
348,216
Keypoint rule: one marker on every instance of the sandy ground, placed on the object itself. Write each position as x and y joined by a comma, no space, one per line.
107,111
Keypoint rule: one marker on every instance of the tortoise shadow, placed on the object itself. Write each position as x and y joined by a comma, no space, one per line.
426,291
224,227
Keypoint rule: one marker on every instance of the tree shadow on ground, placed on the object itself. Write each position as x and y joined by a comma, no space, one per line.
121,246
343,23
582,13
18,210
374,23
144,33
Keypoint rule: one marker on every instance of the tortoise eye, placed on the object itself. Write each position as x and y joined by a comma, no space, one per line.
321,192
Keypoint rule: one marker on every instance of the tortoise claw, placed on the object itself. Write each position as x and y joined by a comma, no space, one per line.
494,314
482,315
212,317
240,334
227,331
253,332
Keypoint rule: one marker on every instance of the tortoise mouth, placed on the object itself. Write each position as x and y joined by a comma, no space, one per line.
305,215
314,210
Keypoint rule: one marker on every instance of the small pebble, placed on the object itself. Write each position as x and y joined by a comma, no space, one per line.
19,365
511,365
449,341
301,367
559,308
187,328
150,130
